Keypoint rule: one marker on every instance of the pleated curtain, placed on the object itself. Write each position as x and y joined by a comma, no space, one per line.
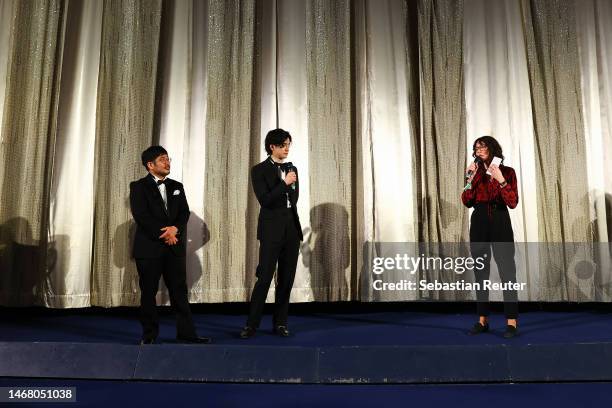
383,100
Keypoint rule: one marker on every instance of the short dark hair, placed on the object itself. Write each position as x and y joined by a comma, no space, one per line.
151,154
493,145
276,137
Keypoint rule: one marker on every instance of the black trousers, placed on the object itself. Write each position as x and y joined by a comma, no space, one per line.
282,250
490,227
173,269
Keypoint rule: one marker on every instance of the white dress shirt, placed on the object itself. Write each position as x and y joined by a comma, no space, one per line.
162,191
282,172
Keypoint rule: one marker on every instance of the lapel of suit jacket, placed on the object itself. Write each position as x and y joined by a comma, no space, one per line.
273,172
158,197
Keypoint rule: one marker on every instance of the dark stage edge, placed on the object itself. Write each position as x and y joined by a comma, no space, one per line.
310,365
364,348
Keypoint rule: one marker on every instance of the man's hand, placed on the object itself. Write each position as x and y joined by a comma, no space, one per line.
169,235
171,241
290,178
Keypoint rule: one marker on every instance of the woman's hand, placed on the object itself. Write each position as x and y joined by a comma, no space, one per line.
471,168
496,173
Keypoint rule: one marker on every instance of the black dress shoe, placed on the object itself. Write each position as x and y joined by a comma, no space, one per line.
281,331
247,332
147,341
479,328
511,331
194,340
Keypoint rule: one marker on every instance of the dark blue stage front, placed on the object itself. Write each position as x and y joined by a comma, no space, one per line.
349,344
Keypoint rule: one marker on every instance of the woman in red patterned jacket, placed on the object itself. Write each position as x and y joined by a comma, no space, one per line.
491,195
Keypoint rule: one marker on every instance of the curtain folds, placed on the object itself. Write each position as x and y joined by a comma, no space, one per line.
387,128
498,103
383,99
562,190
328,74
443,137
124,128
594,34
284,104
71,209
6,15
32,86
230,139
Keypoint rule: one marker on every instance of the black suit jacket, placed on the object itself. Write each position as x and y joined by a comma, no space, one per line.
270,191
150,215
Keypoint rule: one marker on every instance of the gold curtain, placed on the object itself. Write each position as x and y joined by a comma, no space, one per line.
27,146
232,145
124,128
329,77
443,139
562,188
372,91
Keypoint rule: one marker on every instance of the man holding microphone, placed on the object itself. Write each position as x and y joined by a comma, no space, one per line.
279,232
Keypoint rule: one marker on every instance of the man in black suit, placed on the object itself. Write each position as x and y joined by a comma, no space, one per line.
160,209
276,186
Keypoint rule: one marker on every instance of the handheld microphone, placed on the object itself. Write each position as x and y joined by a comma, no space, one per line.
289,167
477,160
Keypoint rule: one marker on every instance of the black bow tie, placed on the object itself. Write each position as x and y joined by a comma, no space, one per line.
160,182
282,166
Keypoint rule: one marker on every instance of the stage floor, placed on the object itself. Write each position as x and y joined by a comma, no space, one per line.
385,345
386,328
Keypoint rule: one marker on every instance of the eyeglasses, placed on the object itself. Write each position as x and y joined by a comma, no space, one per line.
164,159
